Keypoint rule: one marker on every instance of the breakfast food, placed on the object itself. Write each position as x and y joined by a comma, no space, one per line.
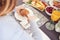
49,10
22,11
9,5
5,5
56,4
55,16
49,26
2,5
19,17
21,14
38,4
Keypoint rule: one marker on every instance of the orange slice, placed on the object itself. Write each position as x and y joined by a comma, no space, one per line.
55,15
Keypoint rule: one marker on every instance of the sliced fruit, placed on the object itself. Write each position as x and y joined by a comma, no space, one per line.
55,15
38,4
56,12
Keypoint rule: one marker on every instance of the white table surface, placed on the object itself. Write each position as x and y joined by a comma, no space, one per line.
11,30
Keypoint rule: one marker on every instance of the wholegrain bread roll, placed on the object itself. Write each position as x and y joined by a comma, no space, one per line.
11,6
4,5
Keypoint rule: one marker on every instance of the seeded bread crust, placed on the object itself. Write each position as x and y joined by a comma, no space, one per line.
5,7
2,5
12,6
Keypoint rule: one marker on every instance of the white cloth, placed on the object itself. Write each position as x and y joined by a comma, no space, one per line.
11,30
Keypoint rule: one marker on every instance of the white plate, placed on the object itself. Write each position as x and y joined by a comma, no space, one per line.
51,4
21,18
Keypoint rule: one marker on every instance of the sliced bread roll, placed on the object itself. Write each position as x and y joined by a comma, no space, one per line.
4,5
11,6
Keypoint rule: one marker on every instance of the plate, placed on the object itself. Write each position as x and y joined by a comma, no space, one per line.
2,6
21,18
5,7
37,33
51,4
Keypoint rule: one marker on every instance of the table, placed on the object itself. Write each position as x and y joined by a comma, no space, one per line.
52,34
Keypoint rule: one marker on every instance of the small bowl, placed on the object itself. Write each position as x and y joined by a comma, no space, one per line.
51,4
48,11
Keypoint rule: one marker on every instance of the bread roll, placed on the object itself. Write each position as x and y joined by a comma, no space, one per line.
11,6
6,6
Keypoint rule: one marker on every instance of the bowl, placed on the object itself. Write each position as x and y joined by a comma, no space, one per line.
49,10
52,4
